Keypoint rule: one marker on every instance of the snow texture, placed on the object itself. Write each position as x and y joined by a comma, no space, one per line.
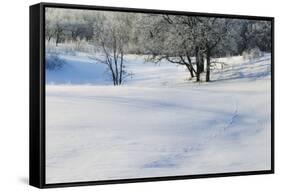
158,123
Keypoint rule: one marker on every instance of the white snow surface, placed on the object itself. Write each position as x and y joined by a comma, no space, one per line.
158,123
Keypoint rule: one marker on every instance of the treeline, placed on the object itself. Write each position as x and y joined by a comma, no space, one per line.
185,40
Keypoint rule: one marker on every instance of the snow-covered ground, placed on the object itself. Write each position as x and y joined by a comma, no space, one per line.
159,123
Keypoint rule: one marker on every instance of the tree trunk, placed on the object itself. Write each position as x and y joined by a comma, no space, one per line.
112,73
58,35
191,73
49,38
201,63
57,39
73,35
121,69
189,66
208,59
197,64
190,70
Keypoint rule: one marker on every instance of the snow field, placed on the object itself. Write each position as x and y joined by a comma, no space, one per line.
158,123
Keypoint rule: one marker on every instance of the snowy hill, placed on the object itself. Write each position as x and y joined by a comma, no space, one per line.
158,123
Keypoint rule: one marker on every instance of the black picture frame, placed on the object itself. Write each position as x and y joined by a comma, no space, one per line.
37,96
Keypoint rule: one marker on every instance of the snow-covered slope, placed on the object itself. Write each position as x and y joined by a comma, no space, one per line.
80,69
158,123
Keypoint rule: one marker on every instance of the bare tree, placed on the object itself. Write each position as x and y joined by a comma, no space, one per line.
112,35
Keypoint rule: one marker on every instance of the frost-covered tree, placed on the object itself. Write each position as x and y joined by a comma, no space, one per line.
55,24
167,39
64,24
179,38
212,32
111,38
255,34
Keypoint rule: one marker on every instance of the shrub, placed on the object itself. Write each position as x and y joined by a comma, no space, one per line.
252,54
54,62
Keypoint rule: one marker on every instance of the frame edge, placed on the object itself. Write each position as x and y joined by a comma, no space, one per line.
35,138
36,162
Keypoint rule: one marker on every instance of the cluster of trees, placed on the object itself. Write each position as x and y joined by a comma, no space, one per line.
191,41
62,25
